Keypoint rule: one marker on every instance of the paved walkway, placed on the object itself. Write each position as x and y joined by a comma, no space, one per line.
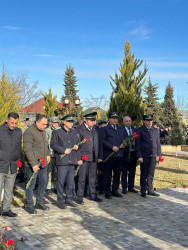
129,223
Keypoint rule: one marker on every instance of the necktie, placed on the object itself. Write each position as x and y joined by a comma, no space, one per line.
129,130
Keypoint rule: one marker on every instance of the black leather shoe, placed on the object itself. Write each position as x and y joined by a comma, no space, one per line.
70,203
153,194
31,210
108,196
124,191
116,194
80,202
143,195
9,214
62,206
42,207
48,191
132,190
97,199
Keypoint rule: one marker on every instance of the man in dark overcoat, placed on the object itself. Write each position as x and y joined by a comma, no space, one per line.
10,154
64,142
148,150
91,148
129,161
112,139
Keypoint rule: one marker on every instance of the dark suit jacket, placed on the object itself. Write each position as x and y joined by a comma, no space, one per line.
127,149
60,141
148,142
91,148
10,149
111,137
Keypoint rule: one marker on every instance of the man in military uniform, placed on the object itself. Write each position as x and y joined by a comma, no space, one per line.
130,159
112,138
148,150
52,170
62,141
89,167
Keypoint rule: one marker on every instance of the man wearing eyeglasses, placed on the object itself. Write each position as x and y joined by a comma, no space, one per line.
112,138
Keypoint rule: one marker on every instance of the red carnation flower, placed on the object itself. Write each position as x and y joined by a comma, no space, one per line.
136,135
161,159
9,242
22,239
174,186
42,161
19,164
154,189
84,157
86,140
14,187
5,227
184,186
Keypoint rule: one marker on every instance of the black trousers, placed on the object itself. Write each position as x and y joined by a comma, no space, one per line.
87,169
112,164
147,170
100,167
128,170
65,175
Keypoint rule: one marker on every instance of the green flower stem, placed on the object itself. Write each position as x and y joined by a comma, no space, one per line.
29,182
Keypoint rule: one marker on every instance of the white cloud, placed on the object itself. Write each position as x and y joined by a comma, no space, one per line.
11,27
44,55
168,75
141,32
167,64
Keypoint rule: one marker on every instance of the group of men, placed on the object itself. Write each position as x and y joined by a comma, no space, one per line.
65,148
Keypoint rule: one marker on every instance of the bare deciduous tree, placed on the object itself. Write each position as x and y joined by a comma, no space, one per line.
181,103
92,101
28,93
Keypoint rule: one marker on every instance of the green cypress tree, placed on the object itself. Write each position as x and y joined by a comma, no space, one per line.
170,113
127,87
50,104
176,136
8,97
70,91
151,100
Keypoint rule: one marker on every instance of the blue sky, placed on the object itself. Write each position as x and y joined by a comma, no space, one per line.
41,37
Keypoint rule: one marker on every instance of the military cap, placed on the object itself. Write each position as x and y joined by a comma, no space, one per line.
91,116
55,119
69,117
100,122
113,114
148,117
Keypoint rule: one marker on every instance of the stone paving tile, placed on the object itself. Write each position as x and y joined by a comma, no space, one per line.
128,223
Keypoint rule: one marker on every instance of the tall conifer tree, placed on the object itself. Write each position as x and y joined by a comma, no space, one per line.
170,112
151,100
127,87
70,86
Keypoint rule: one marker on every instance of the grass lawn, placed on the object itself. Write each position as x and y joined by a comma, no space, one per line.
171,172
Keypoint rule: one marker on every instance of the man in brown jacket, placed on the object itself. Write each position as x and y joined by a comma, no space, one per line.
36,146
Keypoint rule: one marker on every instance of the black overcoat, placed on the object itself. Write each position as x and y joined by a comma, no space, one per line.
60,141
10,149
148,142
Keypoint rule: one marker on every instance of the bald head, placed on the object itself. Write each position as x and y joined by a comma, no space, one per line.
127,121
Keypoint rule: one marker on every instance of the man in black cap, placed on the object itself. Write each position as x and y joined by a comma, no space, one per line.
89,167
148,150
62,142
112,138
